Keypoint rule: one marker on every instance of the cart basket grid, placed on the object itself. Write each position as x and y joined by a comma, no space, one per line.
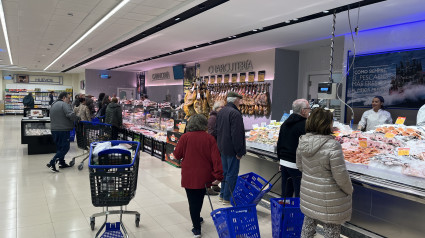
88,132
249,189
287,218
113,174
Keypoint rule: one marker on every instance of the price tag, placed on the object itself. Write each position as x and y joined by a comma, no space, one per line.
272,121
263,124
389,135
363,142
336,133
254,126
400,120
182,127
403,151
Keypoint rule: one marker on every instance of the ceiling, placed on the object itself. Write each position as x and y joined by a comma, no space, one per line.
39,31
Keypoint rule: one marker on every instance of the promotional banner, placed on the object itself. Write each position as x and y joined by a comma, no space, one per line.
397,76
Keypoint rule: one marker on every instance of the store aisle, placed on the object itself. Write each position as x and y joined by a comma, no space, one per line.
35,202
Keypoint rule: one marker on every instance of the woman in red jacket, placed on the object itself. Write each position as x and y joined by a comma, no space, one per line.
201,165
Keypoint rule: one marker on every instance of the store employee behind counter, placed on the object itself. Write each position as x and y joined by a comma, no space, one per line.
287,144
375,116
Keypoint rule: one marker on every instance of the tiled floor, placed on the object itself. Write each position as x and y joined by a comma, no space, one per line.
35,202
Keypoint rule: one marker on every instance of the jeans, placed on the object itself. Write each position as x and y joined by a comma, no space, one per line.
230,171
195,197
61,139
294,184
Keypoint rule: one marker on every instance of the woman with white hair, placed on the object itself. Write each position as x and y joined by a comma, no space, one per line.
201,166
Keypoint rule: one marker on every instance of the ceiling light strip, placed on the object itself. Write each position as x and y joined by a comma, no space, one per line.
3,25
200,8
106,17
260,30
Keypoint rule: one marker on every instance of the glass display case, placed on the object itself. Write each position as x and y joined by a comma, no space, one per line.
37,134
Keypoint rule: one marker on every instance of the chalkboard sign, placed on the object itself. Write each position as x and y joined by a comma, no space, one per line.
398,76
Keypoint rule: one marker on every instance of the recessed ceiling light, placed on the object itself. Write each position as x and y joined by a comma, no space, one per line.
106,17
288,21
196,46
178,18
260,28
182,50
325,11
255,30
6,38
170,53
229,37
295,19
210,43
234,36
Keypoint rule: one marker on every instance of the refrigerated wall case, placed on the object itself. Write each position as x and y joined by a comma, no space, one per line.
36,133
13,99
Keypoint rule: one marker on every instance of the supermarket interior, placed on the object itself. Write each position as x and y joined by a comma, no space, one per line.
155,64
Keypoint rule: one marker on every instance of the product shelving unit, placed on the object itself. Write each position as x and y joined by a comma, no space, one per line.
13,99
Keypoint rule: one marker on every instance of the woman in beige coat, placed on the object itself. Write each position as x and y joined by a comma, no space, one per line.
83,111
326,187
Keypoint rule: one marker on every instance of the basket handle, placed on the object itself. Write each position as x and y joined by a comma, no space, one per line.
286,187
278,172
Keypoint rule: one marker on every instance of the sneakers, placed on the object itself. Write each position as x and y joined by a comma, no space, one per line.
64,165
196,233
225,202
52,168
211,192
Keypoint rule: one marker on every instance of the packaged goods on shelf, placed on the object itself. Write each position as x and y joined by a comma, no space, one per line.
264,138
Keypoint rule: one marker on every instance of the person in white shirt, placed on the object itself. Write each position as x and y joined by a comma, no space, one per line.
375,116
420,120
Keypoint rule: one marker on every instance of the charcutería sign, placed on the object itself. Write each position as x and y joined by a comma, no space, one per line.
239,66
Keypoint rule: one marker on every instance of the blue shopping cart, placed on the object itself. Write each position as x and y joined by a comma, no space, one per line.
113,182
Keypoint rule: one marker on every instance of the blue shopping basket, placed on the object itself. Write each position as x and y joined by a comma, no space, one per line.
232,222
287,218
250,188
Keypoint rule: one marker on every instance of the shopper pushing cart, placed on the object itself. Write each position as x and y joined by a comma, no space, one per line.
113,168
62,122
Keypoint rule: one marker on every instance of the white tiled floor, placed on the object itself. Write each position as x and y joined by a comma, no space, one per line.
35,202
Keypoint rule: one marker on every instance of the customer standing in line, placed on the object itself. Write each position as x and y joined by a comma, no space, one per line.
287,145
83,111
231,142
62,120
113,117
201,166
375,116
76,101
28,101
326,189
104,105
212,130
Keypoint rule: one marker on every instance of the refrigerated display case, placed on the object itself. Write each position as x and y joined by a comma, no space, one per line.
36,133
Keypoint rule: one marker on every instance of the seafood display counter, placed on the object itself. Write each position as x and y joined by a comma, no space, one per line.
387,168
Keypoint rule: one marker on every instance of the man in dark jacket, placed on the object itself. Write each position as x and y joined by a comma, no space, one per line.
62,120
113,117
231,142
28,101
287,145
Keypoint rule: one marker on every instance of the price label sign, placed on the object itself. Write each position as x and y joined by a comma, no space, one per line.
389,135
363,142
400,120
273,121
336,133
182,127
255,126
263,124
403,151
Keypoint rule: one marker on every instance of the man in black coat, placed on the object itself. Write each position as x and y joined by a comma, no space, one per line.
287,145
231,143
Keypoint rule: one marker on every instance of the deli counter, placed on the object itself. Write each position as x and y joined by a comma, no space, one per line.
387,168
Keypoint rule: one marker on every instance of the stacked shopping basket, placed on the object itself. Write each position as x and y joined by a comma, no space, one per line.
241,219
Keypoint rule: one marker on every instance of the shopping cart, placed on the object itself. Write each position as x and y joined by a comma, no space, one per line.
235,222
250,189
287,218
88,132
113,182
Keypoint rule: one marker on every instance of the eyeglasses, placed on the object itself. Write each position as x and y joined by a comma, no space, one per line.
307,108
